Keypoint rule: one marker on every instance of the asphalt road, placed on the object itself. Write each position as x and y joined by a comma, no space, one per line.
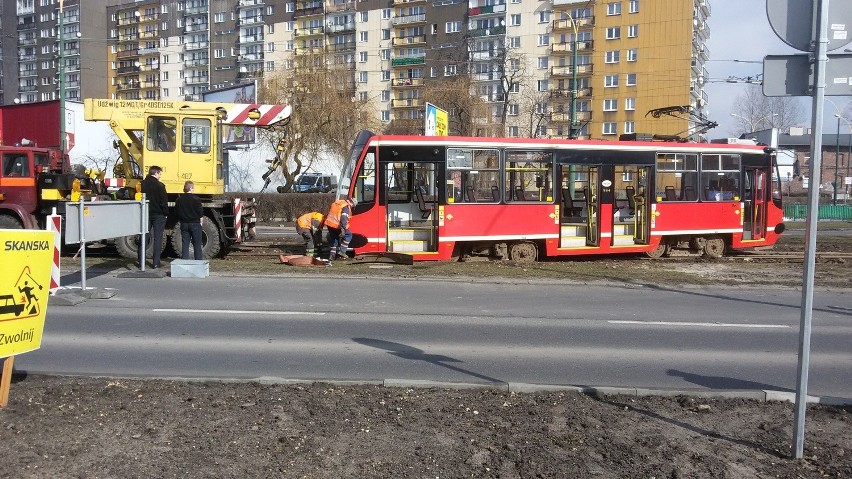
465,332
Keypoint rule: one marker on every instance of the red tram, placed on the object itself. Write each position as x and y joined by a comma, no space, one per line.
441,198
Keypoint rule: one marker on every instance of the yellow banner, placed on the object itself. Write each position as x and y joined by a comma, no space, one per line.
26,257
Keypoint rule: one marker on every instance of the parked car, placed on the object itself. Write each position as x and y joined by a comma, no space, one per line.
315,183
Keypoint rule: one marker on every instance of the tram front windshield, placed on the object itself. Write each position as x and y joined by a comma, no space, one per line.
347,173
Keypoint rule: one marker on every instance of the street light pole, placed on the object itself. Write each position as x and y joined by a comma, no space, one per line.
573,131
61,70
753,124
836,156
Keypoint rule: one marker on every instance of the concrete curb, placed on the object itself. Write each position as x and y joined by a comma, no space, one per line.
760,395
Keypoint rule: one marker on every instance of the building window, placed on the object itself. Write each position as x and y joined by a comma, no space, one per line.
514,42
542,85
609,128
513,132
453,27
543,40
630,104
270,47
613,33
542,62
385,95
611,81
364,16
386,13
362,36
385,34
610,104
270,28
632,55
633,6
612,56
512,109
289,7
515,19
362,77
384,54
219,53
544,16
629,127
270,9
362,57
219,17
630,79
633,31
613,8
450,70
385,115
385,75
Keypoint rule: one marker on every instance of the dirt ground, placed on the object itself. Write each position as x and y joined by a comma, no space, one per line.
123,428
118,428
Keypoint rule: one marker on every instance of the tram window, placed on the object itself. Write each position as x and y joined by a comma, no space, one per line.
529,176
473,175
720,177
365,184
677,177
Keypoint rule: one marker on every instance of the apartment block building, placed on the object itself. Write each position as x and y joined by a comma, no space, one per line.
557,68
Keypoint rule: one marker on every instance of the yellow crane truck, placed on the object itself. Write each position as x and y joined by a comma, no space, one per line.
185,140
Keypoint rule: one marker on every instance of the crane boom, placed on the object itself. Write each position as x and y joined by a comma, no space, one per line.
125,111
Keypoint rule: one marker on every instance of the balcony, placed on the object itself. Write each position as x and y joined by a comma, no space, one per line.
409,19
313,50
341,7
195,27
28,73
313,9
406,82
125,70
196,45
149,51
196,80
487,32
127,20
149,67
568,2
253,20
566,24
406,61
128,37
127,54
407,2
566,93
28,24
150,17
346,27
565,117
487,10
341,47
199,62
250,57
407,103
127,86
27,88
196,10
569,46
26,58
251,74
26,42
412,40
251,39
251,3
306,32
569,70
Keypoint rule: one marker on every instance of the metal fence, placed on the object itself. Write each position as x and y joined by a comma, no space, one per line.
826,212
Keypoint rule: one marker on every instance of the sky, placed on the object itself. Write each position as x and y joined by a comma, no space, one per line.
740,30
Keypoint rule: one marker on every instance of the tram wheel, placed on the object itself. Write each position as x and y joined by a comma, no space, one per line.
714,248
663,249
523,252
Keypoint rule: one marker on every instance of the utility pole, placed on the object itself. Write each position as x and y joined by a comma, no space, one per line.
61,68
836,156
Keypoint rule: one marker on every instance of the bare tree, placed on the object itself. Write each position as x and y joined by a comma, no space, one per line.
754,111
453,94
326,113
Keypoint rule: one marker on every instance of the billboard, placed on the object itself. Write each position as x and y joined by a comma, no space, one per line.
241,93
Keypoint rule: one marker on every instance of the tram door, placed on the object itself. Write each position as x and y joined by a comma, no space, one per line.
411,193
592,195
754,203
642,207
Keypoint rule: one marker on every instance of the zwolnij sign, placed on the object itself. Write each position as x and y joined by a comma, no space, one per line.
26,258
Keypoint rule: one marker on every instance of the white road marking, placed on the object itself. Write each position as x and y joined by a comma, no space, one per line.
236,311
708,325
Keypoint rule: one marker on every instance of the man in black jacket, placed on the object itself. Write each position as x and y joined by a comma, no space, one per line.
158,211
190,213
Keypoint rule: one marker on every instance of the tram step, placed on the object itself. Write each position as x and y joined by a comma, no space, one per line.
572,241
622,240
573,230
623,229
408,246
409,234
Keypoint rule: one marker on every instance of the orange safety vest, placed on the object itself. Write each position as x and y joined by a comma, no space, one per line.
310,220
336,213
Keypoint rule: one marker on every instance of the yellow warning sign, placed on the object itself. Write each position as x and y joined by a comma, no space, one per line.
27,259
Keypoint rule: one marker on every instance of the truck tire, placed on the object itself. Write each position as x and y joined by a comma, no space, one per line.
210,245
10,223
128,246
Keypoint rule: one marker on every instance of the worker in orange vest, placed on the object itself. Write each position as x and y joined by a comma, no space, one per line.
309,227
337,222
